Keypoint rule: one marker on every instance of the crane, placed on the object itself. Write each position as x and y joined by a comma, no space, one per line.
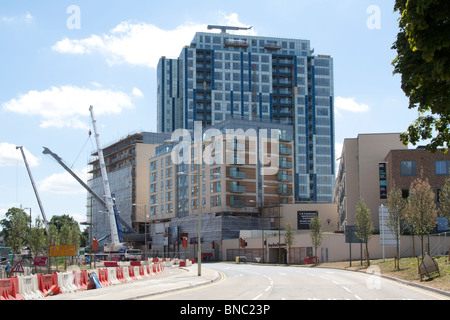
34,188
96,196
116,242
224,29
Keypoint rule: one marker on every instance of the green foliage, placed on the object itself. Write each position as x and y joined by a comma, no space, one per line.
444,199
316,232
423,61
364,225
422,210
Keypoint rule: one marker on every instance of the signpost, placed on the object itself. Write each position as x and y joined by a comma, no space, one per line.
387,236
351,237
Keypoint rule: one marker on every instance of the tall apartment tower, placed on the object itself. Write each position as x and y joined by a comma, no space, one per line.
222,76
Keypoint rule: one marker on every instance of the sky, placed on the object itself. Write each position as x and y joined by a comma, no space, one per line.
59,57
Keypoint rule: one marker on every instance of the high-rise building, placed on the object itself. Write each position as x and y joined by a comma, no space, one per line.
222,76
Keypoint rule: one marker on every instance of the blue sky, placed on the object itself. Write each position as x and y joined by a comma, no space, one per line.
59,57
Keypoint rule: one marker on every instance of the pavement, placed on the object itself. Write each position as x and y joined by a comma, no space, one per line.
172,279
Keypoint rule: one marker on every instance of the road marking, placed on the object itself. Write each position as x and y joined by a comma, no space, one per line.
257,297
346,289
154,296
357,297
268,288
335,282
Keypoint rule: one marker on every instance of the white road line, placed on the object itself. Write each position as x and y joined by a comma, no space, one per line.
357,297
335,282
268,288
257,297
346,289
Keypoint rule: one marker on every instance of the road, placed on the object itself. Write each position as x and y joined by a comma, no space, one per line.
257,282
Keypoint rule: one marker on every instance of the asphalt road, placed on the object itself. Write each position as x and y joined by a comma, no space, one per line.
258,282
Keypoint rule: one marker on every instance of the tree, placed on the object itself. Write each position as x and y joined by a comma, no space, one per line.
396,207
15,229
37,238
289,239
444,199
364,225
422,211
423,61
316,232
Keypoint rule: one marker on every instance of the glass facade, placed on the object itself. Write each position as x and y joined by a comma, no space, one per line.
221,76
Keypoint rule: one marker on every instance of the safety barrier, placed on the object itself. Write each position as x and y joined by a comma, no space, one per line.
81,279
112,275
40,285
120,275
103,277
131,272
66,282
9,289
28,287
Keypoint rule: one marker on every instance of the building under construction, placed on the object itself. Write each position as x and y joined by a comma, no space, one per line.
128,170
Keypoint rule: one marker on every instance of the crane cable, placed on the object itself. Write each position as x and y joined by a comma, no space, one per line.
89,137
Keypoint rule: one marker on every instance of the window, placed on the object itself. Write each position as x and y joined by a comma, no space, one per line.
407,168
442,167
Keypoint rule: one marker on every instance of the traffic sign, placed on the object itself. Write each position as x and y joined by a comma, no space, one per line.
18,267
62,251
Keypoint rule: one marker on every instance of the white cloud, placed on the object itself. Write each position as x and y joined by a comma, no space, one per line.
137,93
65,106
349,104
11,157
27,17
140,44
62,183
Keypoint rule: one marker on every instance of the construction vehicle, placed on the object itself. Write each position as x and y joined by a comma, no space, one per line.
92,192
116,240
34,188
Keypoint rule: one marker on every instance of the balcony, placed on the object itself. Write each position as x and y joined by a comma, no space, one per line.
284,164
283,190
285,137
236,174
236,43
284,177
285,150
236,201
236,188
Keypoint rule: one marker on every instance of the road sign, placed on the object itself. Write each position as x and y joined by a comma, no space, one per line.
62,251
18,268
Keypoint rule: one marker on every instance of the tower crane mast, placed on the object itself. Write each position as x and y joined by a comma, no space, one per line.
116,243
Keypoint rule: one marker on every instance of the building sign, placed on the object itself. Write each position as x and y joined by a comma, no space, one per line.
387,236
383,186
304,219
62,251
